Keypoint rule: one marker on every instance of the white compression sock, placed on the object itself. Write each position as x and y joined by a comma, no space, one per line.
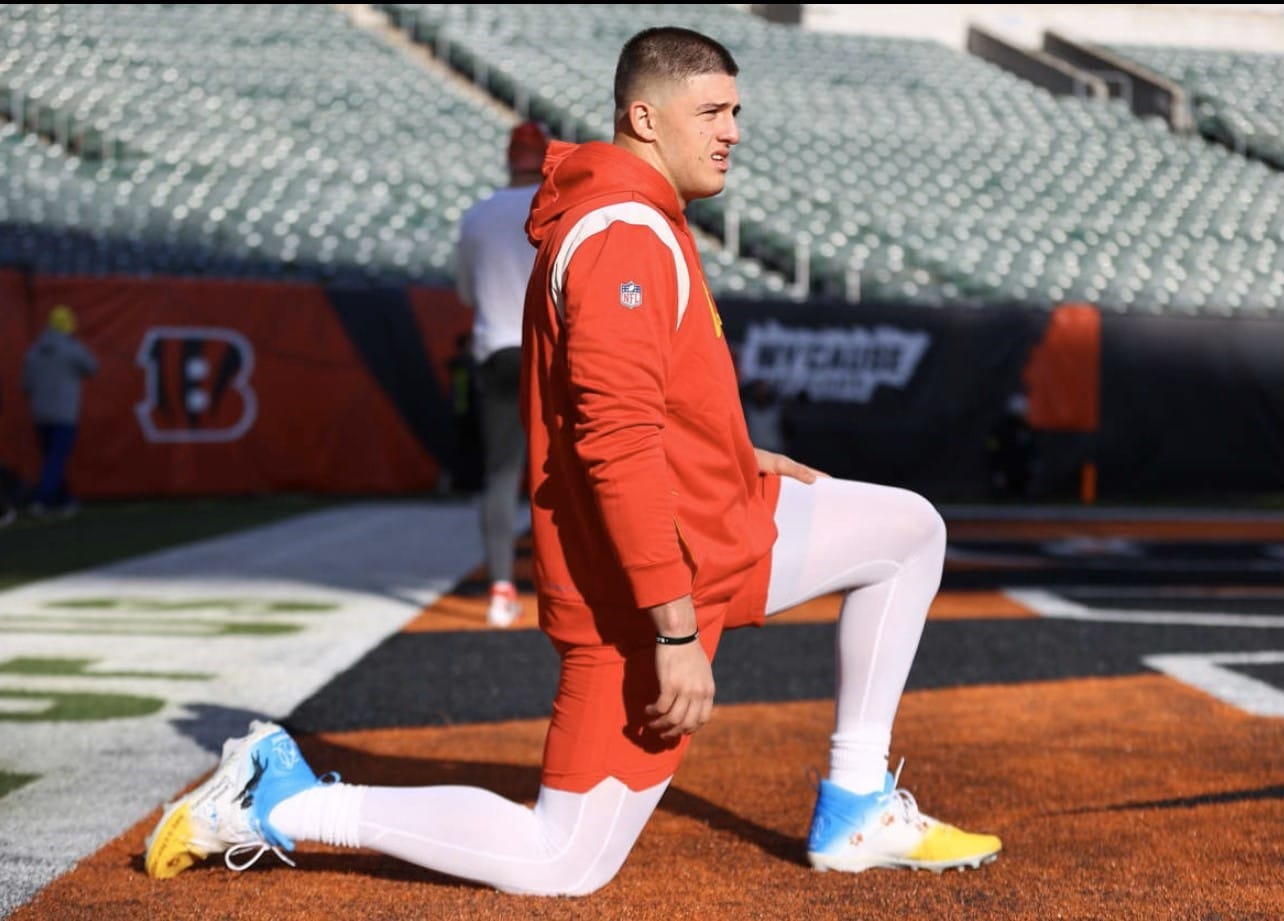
858,759
329,813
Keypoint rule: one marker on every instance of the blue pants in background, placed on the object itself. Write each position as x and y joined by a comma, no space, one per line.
56,441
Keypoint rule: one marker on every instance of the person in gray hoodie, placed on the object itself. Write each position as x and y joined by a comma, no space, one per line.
53,371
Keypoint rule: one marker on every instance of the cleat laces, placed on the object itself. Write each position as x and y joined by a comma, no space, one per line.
903,801
261,847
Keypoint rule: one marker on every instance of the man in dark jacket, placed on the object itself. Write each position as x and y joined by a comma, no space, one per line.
55,366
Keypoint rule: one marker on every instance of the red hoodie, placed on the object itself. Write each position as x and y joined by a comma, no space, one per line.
644,484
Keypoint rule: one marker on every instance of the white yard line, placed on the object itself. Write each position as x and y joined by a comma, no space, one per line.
221,631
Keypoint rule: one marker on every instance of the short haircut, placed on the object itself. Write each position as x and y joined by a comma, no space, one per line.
669,54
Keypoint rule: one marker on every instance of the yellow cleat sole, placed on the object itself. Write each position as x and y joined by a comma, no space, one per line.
168,847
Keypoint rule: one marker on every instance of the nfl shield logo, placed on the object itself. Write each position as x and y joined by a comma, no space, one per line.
630,295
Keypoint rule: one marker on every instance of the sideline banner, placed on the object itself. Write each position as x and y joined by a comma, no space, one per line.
1192,405
895,394
220,387
211,387
17,330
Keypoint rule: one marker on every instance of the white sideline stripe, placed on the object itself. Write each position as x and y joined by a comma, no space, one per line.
1052,605
1207,672
1211,673
375,565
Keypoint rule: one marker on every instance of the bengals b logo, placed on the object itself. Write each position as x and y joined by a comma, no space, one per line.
197,384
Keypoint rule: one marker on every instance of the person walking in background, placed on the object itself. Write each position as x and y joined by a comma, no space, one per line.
492,266
656,525
53,371
464,474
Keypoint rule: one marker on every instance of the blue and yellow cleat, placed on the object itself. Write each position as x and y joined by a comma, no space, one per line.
852,832
228,814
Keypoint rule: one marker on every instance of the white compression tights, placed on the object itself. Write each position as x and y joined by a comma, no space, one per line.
884,547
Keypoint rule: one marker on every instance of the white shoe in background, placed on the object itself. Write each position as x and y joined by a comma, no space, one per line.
504,606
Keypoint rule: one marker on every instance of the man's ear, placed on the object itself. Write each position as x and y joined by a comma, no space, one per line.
642,120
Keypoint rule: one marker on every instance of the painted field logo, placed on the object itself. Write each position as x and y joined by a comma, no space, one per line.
197,381
843,364
630,295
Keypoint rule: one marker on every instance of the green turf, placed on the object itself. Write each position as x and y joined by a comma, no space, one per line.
104,532
63,706
10,781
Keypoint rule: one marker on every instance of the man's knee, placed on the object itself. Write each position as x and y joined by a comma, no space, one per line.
927,523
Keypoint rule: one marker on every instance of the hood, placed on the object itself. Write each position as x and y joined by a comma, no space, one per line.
576,175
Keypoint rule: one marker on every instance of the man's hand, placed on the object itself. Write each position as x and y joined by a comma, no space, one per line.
684,672
771,462
686,690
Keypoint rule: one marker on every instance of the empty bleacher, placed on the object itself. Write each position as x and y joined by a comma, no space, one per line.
277,137
289,141
1235,94
898,169
279,140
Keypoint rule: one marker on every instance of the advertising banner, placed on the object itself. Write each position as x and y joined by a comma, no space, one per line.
219,387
